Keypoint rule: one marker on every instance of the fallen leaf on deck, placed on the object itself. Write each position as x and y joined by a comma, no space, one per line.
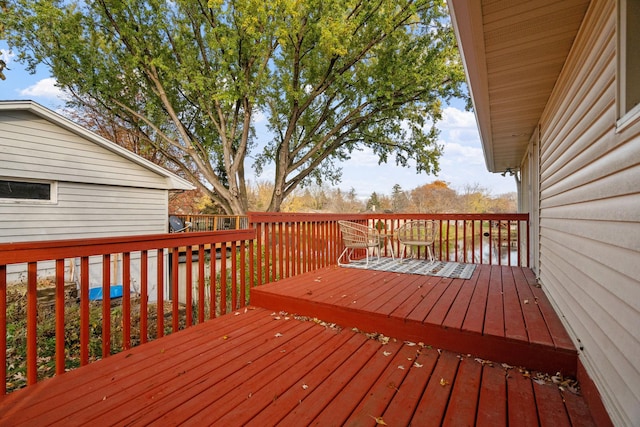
526,301
443,382
401,367
379,421
483,362
278,335
304,386
387,353
417,365
225,337
409,343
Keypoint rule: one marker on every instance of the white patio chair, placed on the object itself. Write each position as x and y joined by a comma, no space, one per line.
358,236
418,233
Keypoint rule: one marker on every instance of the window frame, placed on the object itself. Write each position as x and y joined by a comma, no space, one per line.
625,117
53,192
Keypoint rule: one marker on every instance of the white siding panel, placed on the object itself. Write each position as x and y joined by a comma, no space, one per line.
32,147
614,181
85,211
617,234
598,337
590,215
623,209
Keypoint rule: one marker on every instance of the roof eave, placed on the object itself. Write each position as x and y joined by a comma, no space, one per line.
467,23
174,182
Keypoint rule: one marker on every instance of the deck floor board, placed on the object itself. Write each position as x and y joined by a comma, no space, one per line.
265,366
403,405
520,395
464,398
494,315
456,315
433,404
474,321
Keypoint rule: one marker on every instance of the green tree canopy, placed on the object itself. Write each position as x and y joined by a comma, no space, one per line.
190,78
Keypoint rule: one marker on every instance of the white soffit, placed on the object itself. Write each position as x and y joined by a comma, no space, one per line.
513,52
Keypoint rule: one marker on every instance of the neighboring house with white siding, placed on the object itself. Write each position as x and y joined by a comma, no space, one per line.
60,181
556,91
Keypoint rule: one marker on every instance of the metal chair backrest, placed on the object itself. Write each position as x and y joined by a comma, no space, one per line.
420,232
355,235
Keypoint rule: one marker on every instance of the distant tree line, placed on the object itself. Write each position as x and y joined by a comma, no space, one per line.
434,197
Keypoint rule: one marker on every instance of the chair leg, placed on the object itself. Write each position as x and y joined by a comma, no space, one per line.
341,255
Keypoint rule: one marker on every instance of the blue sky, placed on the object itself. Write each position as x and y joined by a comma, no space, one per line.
462,163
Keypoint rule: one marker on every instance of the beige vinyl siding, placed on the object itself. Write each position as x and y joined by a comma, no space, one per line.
590,215
32,147
86,211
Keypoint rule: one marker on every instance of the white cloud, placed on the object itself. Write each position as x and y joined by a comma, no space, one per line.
45,88
458,154
456,118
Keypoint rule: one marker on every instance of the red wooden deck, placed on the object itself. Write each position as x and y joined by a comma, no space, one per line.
499,314
256,367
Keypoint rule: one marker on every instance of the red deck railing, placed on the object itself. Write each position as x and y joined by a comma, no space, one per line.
169,282
156,260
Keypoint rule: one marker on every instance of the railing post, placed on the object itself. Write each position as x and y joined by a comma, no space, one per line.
144,295
126,300
189,285
160,293
84,310
3,328
175,298
32,323
201,281
223,278
60,302
106,305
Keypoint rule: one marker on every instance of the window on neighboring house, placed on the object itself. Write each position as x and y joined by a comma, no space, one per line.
629,59
26,190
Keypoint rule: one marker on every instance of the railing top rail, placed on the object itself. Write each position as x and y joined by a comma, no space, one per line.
452,216
292,217
257,217
13,253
